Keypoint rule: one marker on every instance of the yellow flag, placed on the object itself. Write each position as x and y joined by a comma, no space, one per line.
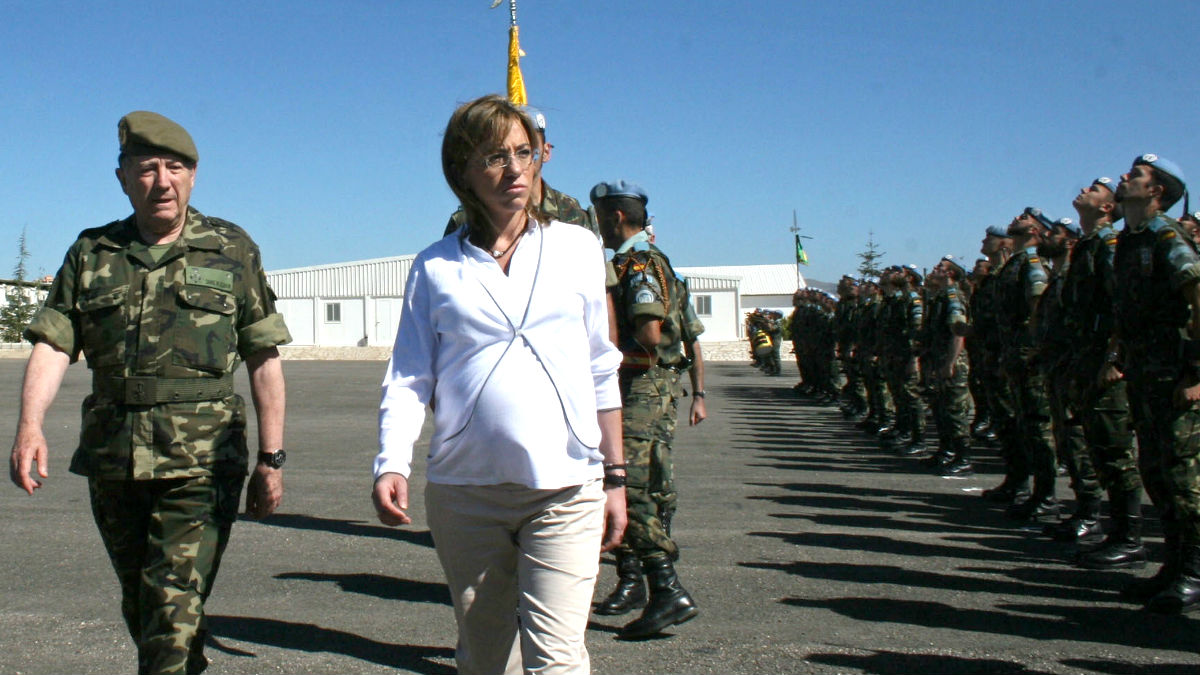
516,83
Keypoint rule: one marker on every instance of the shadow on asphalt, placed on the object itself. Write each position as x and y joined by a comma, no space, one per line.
956,526
308,637
356,528
380,586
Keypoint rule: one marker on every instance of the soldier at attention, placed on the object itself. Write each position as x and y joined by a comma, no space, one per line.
164,305
651,328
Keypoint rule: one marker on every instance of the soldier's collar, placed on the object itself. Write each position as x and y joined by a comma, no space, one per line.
197,233
628,244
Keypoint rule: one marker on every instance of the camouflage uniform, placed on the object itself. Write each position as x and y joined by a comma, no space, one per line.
951,402
1152,266
1055,347
163,439
878,398
854,393
650,391
1022,280
902,317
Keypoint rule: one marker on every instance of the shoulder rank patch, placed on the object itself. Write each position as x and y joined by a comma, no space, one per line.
206,276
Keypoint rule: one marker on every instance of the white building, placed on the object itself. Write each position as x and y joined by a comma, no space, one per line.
358,303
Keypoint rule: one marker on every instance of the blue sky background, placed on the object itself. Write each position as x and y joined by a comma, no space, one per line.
319,123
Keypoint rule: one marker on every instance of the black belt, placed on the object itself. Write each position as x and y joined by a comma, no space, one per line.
148,390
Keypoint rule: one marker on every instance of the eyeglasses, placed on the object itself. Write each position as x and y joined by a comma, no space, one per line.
521,158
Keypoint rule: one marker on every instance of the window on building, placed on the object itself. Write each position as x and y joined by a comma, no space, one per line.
703,304
333,312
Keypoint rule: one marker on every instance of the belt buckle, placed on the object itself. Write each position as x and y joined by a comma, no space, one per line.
141,390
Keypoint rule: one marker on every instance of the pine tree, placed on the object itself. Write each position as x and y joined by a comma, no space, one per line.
869,268
18,309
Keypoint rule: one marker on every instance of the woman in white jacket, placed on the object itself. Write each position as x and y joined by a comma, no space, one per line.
504,335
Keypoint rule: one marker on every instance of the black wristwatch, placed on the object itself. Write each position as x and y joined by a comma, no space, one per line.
273,459
700,393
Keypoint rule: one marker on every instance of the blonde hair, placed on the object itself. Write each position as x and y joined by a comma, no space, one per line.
481,125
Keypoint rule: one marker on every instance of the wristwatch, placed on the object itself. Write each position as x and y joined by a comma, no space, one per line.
700,393
274,459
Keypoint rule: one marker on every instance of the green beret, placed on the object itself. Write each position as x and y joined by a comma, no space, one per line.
147,133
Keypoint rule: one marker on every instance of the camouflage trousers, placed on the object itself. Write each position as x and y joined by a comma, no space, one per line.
977,383
1069,442
854,392
1034,437
650,406
1003,404
1109,435
165,539
878,398
952,407
1168,451
906,393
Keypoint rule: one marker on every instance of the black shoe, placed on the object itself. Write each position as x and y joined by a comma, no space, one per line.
888,433
1117,555
1075,529
669,605
959,468
630,593
1183,593
915,448
1034,509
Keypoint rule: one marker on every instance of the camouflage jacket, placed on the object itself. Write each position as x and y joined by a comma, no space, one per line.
945,311
1087,311
1020,282
1052,339
555,206
1150,268
647,287
186,320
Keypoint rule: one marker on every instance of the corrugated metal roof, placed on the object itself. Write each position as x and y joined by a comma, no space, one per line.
756,279
382,277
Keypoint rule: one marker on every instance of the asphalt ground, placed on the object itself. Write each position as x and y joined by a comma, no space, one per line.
808,548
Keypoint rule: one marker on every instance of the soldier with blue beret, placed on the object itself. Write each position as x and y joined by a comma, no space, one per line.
1156,350
651,329
164,305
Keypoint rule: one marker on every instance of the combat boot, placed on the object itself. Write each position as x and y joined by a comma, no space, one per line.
630,593
1083,526
669,603
1012,490
1122,548
960,465
1183,593
1041,504
1142,590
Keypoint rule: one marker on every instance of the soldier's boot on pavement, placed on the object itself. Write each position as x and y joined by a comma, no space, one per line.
1013,489
939,459
960,466
1041,505
980,427
1083,526
669,603
1142,590
1183,594
630,593
915,447
1122,548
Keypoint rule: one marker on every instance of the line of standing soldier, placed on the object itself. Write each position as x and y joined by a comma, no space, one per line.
1071,340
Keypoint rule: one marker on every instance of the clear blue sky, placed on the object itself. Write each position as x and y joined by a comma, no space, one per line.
319,123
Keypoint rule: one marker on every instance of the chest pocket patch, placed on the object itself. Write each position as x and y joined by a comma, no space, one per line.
204,336
221,280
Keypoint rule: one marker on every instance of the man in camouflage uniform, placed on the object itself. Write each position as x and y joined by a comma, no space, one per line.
1157,304
164,305
903,316
1022,281
853,393
947,327
651,328
879,401
976,353
1103,408
1055,347
552,204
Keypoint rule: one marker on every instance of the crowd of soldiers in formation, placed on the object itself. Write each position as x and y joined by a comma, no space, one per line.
1066,341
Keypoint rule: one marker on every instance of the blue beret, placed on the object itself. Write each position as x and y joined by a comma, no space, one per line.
1107,182
912,269
1037,214
1162,164
997,231
1070,226
619,188
954,261
539,120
